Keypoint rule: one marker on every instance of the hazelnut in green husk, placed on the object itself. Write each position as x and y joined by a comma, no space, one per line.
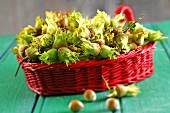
39,22
67,56
121,90
15,50
60,40
90,48
121,42
21,50
107,51
76,38
24,39
29,30
155,35
32,53
28,54
46,40
132,46
49,57
72,20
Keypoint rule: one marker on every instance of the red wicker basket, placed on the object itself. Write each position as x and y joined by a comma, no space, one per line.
56,79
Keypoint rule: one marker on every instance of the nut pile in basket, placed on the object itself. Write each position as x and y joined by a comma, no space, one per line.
69,37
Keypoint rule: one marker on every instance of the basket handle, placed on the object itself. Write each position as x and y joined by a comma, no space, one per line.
125,9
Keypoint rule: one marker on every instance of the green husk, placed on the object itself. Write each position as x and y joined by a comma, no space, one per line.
90,48
39,22
46,40
121,90
21,49
32,53
77,38
49,57
73,20
107,51
60,40
67,56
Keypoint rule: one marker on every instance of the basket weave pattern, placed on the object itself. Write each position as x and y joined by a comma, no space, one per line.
58,79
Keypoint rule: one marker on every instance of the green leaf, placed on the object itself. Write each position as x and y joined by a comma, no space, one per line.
131,25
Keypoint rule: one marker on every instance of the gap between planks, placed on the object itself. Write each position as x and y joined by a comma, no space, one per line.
36,109
35,103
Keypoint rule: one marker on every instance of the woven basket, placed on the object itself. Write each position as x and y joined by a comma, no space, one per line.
58,79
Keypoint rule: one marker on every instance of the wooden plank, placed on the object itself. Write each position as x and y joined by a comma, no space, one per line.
5,43
154,90
59,104
39,104
15,95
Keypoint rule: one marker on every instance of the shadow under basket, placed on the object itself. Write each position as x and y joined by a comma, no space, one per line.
57,79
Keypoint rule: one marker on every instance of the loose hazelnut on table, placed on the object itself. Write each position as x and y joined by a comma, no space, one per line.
76,105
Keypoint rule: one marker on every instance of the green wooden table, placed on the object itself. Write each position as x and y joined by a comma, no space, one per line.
16,97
